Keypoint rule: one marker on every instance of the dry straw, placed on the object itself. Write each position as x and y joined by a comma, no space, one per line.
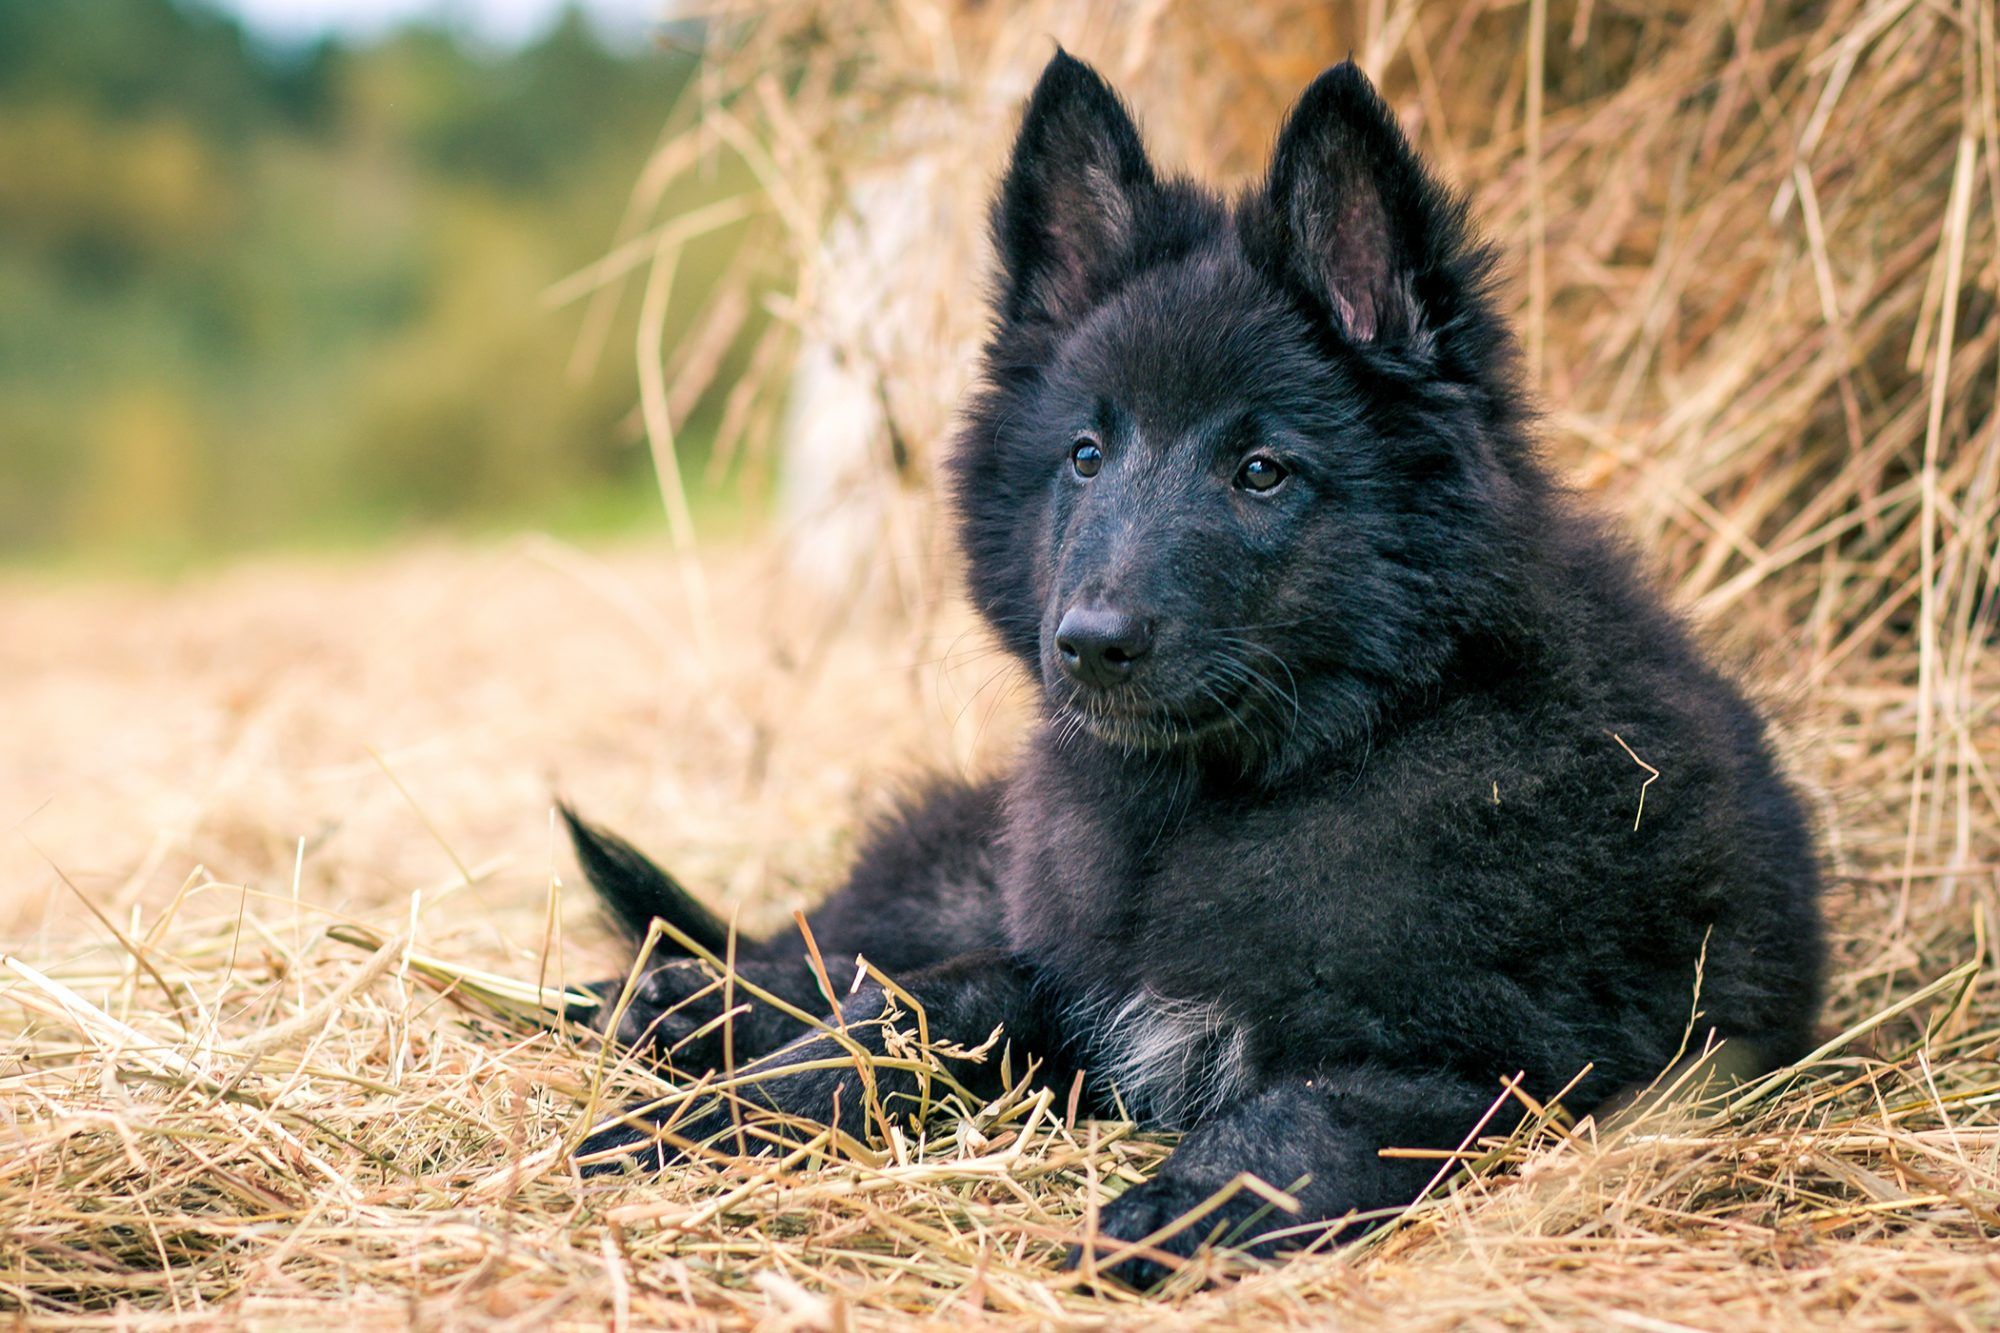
1755,255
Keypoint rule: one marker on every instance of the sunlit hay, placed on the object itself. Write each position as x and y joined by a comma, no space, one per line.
1753,255
403,1154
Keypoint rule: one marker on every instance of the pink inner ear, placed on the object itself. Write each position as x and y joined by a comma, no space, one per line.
1088,224
1353,254
1358,318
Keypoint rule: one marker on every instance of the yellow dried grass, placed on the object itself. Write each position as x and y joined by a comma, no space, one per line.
1758,276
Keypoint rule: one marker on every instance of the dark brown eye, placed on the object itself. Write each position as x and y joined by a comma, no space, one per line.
1086,456
1261,474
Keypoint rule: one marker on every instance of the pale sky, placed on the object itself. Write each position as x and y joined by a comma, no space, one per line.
504,21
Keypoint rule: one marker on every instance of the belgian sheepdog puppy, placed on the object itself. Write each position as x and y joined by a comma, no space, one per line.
1333,816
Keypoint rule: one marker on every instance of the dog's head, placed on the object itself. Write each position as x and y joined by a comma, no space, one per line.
1239,472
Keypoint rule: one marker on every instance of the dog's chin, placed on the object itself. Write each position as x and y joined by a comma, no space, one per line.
1137,733
1149,728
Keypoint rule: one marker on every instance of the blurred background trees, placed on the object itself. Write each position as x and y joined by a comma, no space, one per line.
253,295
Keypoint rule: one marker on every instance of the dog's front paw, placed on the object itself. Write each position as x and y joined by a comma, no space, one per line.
630,1143
647,1138
1154,1206
671,1015
770,1113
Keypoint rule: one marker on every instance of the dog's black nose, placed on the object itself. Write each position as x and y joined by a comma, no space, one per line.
1099,646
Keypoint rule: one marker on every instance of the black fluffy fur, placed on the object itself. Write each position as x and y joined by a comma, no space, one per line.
1354,837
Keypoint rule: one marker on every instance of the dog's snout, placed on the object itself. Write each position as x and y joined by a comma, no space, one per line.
1100,645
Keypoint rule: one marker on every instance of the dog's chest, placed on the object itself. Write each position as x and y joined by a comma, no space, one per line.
1170,1062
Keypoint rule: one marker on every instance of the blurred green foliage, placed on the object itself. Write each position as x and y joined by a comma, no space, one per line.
252,297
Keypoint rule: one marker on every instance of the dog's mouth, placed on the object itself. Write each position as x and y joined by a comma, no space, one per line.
1133,721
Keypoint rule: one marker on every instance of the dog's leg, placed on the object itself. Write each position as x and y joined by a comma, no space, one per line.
1319,1137
674,1013
921,893
816,1078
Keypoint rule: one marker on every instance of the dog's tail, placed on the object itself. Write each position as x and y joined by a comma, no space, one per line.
634,890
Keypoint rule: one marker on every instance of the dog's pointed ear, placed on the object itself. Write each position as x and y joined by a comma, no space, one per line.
1069,207
1354,220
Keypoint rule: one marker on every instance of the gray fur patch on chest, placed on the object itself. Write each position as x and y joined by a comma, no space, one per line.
1173,1063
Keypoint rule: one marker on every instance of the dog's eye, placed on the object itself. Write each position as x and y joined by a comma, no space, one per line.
1261,474
1086,456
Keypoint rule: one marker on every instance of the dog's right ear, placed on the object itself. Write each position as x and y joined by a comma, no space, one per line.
1070,205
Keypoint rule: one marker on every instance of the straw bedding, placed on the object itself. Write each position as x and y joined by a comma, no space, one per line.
265,826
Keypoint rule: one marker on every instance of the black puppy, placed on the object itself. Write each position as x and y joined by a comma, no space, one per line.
1339,811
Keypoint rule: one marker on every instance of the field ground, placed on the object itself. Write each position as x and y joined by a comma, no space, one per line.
207,1123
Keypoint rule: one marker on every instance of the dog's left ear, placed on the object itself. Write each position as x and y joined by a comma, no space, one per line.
1353,219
